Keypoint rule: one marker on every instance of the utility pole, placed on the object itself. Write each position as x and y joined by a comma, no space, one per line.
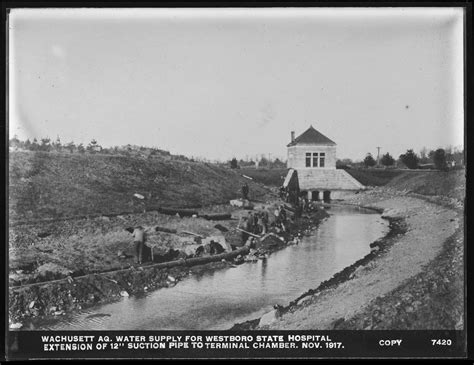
378,155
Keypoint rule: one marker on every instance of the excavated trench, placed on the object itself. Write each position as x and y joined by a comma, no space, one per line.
216,299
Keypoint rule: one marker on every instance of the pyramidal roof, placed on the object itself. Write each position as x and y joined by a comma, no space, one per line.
311,136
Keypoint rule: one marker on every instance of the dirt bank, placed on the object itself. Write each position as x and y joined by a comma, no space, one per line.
36,292
401,284
45,185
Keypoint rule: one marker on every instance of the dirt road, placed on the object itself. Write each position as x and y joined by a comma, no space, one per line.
429,226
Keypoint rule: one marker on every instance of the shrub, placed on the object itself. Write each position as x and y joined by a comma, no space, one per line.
410,159
439,159
233,164
387,160
369,161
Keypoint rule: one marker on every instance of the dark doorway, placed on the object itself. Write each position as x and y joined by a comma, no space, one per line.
315,195
327,196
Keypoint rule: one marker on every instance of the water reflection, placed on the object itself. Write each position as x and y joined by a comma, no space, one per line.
263,272
216,300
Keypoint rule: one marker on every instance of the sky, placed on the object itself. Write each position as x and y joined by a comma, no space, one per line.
223,83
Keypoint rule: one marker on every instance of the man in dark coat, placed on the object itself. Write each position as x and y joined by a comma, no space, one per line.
245,191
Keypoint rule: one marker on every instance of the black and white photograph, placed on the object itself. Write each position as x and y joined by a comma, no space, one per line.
260,180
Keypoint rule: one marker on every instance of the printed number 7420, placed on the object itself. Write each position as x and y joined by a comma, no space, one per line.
441,342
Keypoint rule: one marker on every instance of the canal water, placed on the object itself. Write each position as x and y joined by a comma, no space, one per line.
217,300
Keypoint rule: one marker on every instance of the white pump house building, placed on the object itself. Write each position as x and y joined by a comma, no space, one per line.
312,158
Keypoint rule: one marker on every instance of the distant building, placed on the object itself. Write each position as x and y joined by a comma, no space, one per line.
312,157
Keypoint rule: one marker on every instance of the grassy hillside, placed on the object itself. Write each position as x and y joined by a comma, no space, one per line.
270,177
52,185
374,177
451,184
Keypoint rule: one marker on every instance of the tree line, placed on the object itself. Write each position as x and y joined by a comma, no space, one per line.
264,163
440,159
47,145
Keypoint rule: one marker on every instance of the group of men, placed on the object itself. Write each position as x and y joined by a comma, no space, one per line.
255,223
258,223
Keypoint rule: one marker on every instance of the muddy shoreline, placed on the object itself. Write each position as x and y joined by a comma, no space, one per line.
397,226
54,298
419,294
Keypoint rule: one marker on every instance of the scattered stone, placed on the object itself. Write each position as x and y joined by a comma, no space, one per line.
51,271
123,293
239,260
16,325
268,318
251,258
32,304
236,203
216,242
337,323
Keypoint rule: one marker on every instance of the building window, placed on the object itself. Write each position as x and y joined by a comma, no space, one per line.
315,159
322,157
308,159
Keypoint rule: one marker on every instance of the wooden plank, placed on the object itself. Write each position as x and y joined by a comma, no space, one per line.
251,234
192,234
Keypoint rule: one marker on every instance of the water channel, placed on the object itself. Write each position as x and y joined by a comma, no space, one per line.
217,300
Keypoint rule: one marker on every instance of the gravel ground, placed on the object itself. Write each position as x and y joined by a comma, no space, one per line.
417,284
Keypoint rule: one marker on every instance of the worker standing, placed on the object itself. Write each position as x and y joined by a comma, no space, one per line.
138,242
244,225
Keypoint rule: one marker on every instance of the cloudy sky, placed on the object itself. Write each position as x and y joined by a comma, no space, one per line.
235,82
